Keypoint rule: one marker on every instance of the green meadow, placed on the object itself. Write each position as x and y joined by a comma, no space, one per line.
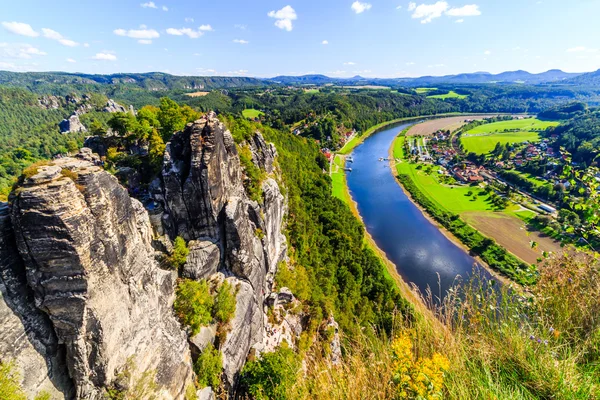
252,113
483,139
450,95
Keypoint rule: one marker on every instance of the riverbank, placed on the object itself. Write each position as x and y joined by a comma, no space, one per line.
494,257
341,191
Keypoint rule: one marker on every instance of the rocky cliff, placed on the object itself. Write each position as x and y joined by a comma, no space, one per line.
85,306
205,202
86,248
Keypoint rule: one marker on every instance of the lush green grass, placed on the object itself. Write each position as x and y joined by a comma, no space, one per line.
252,113
349,146
527,124
338,178
424,90
311,91
485,144
450,95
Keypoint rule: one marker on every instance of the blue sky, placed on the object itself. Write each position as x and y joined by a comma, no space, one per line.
375,38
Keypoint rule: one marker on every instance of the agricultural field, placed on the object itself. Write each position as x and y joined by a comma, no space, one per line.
197,94
450,95
251,113
428,128
424,90
483,139
338,178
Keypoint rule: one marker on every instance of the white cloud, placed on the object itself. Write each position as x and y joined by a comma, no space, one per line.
325,42
185,31
105,57
20,28
459,21
206,28
19,50
86,45
428,12
470,10
189,20
52,34
581,49
141,33
149,4
436,66
349,63
487,52
359,7
399,8
410,63
145,41
71,60
240,41
241,27
165,8
284,18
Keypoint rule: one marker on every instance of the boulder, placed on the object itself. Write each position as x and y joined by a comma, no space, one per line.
113,107
72,125
203,260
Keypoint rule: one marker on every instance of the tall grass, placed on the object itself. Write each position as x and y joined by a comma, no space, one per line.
501,342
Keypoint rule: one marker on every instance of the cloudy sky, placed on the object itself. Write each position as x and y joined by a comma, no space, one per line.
382,38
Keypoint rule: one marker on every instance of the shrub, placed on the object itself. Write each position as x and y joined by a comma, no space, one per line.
224,307
254,175
193,304
294,279
273,375
208,367
9,383
179,254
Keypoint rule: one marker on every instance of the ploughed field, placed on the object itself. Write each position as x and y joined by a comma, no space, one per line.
428,128
483,139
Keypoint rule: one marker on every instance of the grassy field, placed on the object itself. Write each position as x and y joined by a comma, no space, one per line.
483,139
450,95
311,91
338,178
252,113
485,144
424,90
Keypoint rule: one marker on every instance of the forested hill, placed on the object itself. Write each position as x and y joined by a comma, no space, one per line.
589,79
62,83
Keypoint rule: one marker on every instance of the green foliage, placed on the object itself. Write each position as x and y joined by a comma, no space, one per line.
190,393
224,307
254,175
172,117
43,395
294,279
273,375
9,383
193,304
208,367
179,254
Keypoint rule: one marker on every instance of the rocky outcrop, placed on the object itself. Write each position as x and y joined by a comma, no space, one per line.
28,338
72,125
86,246
113,107
48,102
204,201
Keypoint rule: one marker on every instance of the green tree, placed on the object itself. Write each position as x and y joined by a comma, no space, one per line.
273,375
224,307
170,118
179,254
123,123
208,367
193,304
156,150
97,128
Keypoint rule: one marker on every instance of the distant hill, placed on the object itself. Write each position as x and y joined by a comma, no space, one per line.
47,82
467,78
587,79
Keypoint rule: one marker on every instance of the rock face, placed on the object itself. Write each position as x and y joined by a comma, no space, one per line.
72,125
86,246
113,107
28,338
205,202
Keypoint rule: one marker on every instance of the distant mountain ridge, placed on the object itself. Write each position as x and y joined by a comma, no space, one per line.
551,76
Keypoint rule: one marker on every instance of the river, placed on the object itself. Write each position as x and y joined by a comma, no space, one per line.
420,251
